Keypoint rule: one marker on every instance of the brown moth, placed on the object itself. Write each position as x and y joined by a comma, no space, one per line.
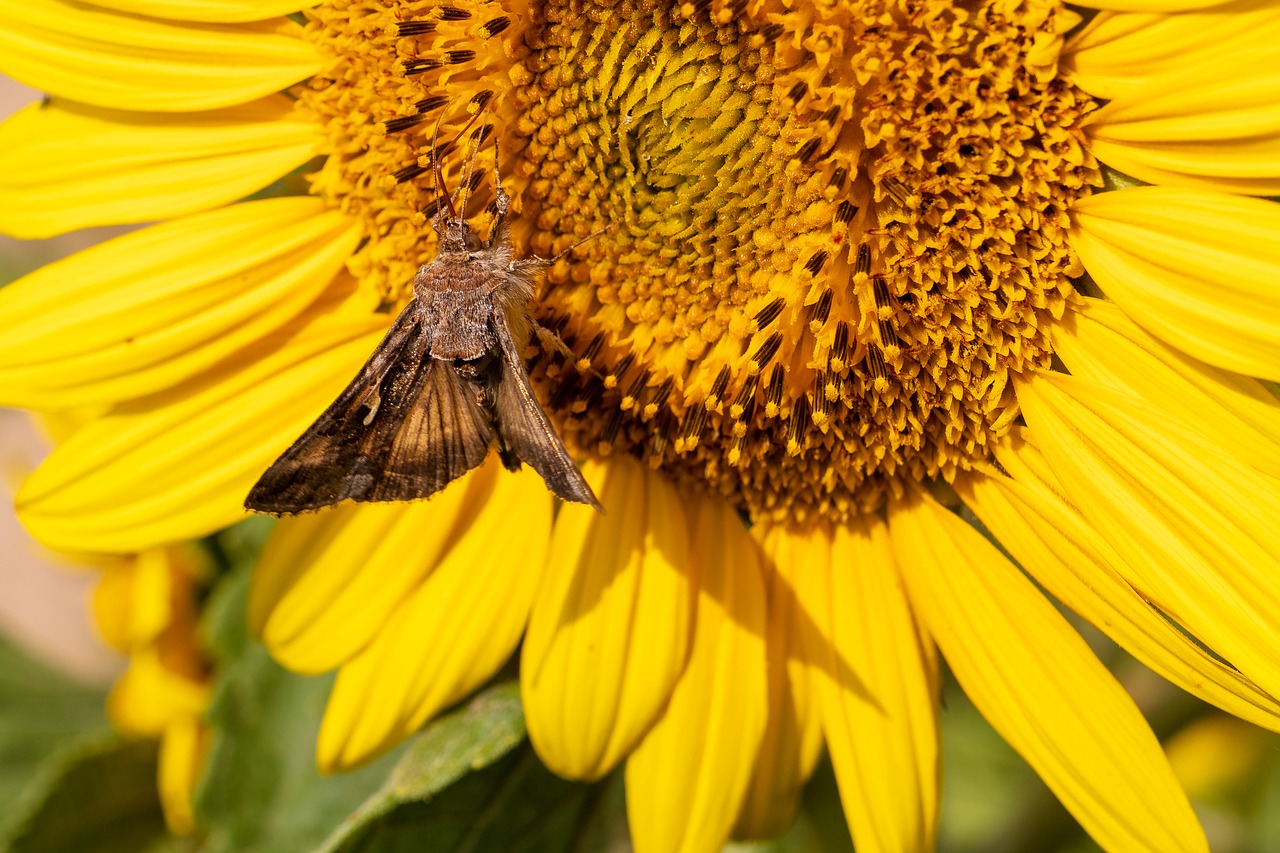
445,383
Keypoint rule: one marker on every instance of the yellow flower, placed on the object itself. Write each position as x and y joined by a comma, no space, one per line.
145,606
856,277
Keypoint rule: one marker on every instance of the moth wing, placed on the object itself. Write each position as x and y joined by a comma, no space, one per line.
443,435
375,442
523,426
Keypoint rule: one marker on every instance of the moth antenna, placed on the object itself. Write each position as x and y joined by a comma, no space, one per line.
536,262
583,241
437,179
497,176
465,186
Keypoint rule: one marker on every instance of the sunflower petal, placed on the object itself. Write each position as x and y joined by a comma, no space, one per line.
449,635
149,695
182,749
219,11
1039,685
1214,126
129,62
151,309
1199,529
1100,344
178,465
1053,542
793,738
67,166
1196,269
687,779
1155,6
609,632
877,701
1118,52
327,582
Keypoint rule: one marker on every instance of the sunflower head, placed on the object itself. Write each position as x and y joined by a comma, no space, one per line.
809,279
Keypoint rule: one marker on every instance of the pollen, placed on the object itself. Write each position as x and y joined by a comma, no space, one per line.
806,249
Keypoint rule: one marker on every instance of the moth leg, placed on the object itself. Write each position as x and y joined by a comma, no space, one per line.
552,342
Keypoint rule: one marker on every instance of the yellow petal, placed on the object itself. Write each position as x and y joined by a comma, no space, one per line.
874,686
687,779
1214,126
1039,685
1052,541
1100,344
65,166
793,738
1218,757
1120,51
149,310
1150,5
130,62
225,11
609,632
178,465
1199,529
113,603
327,582
451,633
150,695
1196,269
182,750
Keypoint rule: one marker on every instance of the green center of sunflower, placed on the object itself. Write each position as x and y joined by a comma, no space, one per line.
818,242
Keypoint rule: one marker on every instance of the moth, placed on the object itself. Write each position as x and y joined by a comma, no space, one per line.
445,384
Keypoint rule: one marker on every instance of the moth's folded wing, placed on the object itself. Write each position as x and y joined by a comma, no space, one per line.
524,428
443,435
362,448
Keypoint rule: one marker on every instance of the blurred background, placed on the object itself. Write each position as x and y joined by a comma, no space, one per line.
55,671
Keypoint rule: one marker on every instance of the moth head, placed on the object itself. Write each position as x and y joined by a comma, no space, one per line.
454,233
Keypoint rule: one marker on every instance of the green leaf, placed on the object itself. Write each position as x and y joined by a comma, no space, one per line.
96,796
463,786
40,710
260,790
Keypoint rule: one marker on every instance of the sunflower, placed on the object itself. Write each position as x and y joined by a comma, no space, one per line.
863,274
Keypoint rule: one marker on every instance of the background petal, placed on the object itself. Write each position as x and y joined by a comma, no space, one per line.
1039,685
687,779
609,633
149,310
133,62
65,166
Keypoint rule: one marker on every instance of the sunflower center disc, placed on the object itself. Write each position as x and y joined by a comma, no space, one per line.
823,239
